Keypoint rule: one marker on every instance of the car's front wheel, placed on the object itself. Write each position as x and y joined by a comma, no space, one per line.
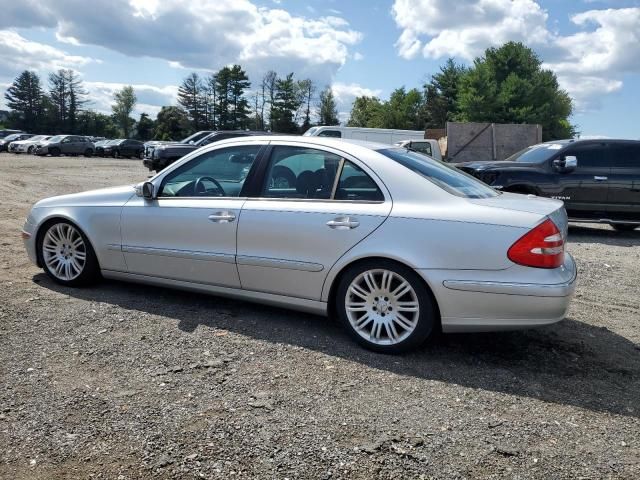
67,255
385,306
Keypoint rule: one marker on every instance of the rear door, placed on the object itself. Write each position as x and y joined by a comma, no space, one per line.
313,205
584,190
624,181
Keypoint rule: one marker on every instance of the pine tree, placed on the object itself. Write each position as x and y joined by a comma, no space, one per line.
25,97
327,108
223,104
191,98
307,90
286,103
68,96
239,105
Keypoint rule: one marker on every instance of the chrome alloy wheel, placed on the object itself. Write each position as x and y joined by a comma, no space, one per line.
64,251
382,307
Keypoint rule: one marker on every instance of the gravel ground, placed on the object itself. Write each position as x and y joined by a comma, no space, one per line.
125,381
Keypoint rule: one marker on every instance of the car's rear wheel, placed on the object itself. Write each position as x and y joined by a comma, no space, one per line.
67,255
385,306
31,149
88,152
624,227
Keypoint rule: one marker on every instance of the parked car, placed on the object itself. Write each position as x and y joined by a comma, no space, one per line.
124,148
99,147
165,155
5,133
29,145
596,179
150,146
396,244
66,145
426,146
14,137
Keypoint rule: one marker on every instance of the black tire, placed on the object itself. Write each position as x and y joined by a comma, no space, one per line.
30,150
88,152
140,154
427,316
90,272
624,227
54,152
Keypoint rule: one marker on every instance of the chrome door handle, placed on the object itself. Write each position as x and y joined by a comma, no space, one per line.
222,217
342,223
600,179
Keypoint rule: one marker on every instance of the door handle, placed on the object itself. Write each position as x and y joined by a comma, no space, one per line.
600,179
342,223
222,217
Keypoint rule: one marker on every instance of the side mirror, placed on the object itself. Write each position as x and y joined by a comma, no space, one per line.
145,190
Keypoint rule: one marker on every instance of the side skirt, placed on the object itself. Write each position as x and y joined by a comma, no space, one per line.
300,304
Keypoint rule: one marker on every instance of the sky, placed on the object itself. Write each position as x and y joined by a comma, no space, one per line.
358,47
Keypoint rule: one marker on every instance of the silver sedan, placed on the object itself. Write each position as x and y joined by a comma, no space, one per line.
393,243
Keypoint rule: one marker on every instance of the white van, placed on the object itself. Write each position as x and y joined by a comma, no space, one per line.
381,135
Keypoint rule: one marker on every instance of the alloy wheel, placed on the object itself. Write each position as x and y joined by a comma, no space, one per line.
382,307
64,251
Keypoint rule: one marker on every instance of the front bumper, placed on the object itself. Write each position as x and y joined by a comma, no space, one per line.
515,298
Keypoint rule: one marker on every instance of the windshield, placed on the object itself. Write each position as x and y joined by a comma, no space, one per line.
310,132
445,176
536,153
56,139
38,138
13,136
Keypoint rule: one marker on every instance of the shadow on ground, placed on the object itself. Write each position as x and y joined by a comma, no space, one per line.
570,363
585,233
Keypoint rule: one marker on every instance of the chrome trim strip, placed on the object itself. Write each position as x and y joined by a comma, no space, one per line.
279,263
301,304
114,246
190,254
504,288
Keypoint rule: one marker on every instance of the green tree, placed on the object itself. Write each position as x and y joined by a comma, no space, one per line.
509,85
172,124
441,95
286,104
125,100
144,128
25,98
191,97
222,108
402,111
68,97
238,103
367,112
327,111
307,90
90,122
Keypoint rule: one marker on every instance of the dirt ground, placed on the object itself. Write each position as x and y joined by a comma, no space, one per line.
125,381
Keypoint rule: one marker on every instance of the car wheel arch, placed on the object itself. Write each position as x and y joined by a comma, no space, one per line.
335,281
50,220
521,188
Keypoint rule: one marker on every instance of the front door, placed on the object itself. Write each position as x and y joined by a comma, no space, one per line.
314,206
188,232
584,190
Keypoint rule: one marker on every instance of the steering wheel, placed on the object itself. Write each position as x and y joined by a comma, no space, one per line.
199,187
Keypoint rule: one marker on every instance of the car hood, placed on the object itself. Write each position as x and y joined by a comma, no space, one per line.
105,197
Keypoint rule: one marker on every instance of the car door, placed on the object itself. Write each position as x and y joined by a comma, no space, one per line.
188,232
584,189
314,204
624,181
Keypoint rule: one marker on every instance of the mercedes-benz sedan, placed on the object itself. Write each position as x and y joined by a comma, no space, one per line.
392,242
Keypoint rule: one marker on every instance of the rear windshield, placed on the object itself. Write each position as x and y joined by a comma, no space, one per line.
445,176
536,153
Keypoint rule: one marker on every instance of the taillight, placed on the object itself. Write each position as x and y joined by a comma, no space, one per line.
542,247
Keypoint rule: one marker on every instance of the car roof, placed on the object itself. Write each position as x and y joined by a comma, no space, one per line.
321,141
568,141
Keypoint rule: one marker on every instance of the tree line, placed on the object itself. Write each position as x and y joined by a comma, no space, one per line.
505,85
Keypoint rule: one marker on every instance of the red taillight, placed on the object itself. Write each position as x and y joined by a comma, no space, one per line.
542,247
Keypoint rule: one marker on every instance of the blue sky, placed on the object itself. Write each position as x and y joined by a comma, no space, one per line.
358,47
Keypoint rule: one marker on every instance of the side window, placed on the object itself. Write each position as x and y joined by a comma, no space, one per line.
330,133
355,184
625,156
299,172
422,147
218,173
589,156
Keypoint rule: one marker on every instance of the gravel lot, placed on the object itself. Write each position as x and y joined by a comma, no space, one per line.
125,381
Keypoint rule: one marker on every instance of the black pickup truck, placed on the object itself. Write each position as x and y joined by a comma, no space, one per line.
160,156
598,180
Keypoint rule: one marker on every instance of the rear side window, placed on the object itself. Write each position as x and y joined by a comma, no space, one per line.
355,184
445,176
330,133
422,147
625,156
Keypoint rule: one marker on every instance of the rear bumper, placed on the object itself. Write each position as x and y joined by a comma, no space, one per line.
503,300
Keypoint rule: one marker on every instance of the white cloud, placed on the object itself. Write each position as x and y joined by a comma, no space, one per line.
346,93
588,63
357,56
17,54
150,97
